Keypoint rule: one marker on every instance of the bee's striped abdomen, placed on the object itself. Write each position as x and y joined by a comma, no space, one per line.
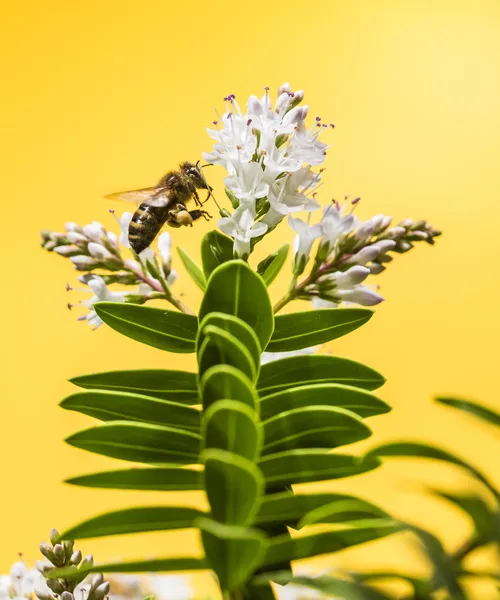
145,226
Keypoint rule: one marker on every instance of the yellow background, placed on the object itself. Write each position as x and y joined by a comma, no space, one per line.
105,95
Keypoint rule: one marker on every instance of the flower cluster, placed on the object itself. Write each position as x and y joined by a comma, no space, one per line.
269,154
99,255
348,251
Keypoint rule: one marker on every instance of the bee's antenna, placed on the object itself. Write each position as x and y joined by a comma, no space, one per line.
207,165
209,188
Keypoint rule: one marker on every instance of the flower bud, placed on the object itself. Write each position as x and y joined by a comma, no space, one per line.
100,592
284,89
55,585
75,237
76,558
67,596
67,251
99,251
96,581
54,536
87,562
46,550
72,227
59,554
42,594
84,263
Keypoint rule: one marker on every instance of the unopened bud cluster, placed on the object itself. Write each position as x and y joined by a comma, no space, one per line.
100,257
60,554
348,251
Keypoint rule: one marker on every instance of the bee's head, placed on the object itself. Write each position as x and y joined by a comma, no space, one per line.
194,172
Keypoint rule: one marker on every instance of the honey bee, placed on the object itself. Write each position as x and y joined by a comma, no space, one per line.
165,203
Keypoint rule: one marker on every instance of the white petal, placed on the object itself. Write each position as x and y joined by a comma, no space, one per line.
165,247
360,295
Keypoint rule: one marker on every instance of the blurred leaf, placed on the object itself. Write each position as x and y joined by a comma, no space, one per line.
446,570
233,426
220,347
193,268
235,289
313,327
122,406
284,548
216,249
237,328
342,511
289,508
163,329
135,520
280,375
179,386
313,427
140,566
234,553
165,479
473,408
272,265
303,466
483,518
420,450
139,442
226,382
353,399
234,485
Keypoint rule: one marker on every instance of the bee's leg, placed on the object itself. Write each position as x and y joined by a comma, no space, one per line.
197,200
196,214
172,219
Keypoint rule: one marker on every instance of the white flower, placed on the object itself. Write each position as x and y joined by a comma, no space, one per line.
345,287
94,231
306,234
101,294
242,228
369,253
99,251
247,185
165,248
82,262
267,153
335,224
124,222
267,357
171,587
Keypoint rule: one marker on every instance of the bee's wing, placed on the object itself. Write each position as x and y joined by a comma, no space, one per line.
154,196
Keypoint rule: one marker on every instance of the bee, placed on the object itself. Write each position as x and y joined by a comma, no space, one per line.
165,203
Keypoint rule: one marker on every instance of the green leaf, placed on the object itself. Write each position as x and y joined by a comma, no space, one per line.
419,450
139,442
164,479
234,486
473,408
216,249
122,406
154,565
353,399
446,571
227,382
313,327
342,511
220,347
289,508
235,289
193,268
163,329
285,373
333,587
484,521
313,427
272,265
233,426
283,548
179,386
234,553
303,466
237,328
135,520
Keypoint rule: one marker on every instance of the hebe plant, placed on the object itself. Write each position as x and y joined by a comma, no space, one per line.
259,429
243,433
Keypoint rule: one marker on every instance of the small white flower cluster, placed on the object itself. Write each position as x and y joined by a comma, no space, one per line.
21,582
348,252
269,154
91,248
